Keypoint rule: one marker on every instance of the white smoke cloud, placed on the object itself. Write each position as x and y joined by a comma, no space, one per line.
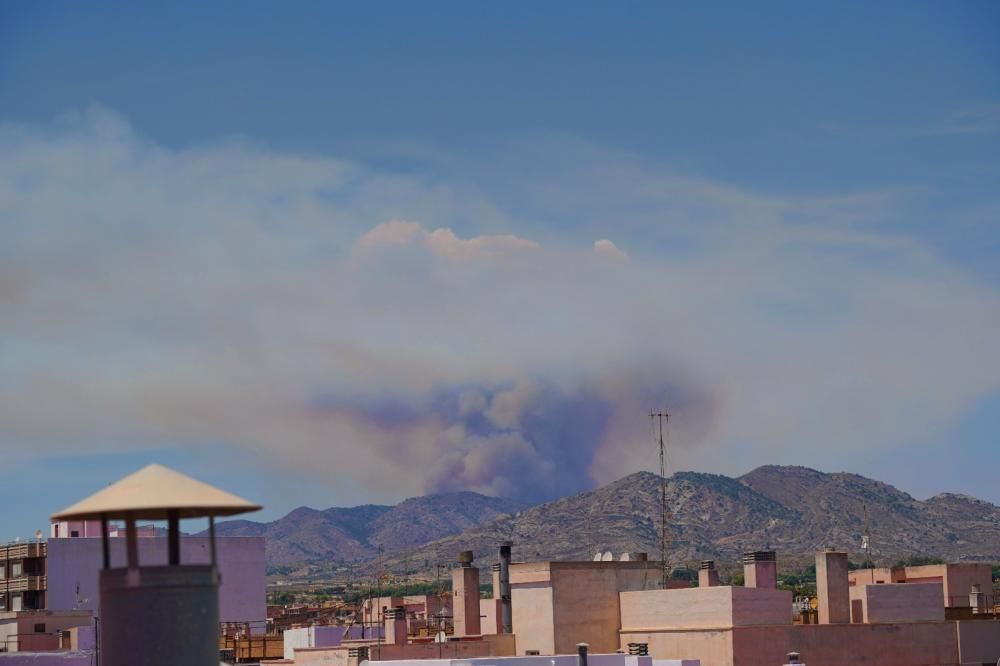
609,249
280,306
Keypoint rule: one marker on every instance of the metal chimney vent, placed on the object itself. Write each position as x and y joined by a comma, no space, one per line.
759,556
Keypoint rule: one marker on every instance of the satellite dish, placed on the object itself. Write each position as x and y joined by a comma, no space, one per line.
441,637
625,558
607,556
38,534
597,557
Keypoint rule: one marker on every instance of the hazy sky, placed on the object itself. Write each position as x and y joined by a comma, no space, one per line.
336,253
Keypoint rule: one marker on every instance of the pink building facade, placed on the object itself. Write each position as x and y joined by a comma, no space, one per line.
957,580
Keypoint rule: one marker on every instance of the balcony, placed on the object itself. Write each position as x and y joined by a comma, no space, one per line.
20,551
24,584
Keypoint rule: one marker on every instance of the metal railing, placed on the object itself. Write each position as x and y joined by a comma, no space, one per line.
249,641
987,601
24,584
23,549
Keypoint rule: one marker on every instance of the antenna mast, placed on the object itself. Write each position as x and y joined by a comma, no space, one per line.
866,544
661,418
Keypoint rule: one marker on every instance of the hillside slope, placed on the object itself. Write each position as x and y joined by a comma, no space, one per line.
355,534
794,510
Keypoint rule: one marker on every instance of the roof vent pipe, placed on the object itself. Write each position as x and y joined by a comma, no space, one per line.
507,620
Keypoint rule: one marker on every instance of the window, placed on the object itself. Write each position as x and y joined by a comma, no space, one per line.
55,530
40,628
3,571
74,533
15,569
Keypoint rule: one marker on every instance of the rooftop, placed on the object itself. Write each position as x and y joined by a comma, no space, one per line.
152,493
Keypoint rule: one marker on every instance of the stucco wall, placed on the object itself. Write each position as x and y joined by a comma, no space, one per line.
307,637
17,634
586,601
712,647
490,617
900,602
531,606
957,578
960,578
705,607
839,644
701,607
978,642
73,562
562,660
912,644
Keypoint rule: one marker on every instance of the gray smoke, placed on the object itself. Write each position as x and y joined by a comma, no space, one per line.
532,439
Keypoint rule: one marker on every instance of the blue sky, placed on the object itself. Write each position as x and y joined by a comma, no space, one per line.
331,253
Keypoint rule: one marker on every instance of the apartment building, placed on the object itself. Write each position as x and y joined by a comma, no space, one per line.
23,579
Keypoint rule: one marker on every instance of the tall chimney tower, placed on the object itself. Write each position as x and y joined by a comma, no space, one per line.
507,616
832,588
158,615
465,596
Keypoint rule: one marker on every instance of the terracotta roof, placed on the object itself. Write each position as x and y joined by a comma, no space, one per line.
151,493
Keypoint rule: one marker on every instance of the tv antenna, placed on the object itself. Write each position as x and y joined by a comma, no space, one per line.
866,543
661,418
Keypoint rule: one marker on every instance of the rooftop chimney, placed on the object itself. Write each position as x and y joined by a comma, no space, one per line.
158,615
507,621
832,590
395,626
760,569
708,575
465,596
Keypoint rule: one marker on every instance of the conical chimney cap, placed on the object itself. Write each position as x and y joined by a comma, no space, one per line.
151,493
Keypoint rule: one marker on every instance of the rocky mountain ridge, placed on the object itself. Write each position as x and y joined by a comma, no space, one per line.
793,510
357,534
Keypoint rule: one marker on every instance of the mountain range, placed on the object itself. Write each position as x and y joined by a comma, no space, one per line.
793,510
361,533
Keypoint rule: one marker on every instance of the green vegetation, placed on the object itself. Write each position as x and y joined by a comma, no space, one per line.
401,590
996,571
685,574
282,598
918,561
801,583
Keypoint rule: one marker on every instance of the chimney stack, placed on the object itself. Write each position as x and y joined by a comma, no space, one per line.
708,575
151,613
507,620
760,569
395,626
832,589
465,596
